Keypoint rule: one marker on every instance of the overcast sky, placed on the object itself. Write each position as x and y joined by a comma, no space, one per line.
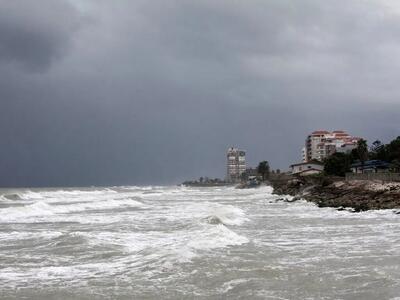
99,92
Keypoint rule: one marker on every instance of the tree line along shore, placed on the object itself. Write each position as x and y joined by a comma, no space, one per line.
331,189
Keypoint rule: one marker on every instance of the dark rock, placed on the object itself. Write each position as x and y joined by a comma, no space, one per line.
355,195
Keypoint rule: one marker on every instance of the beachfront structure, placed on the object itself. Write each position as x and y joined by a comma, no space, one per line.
252,172
304,154
307,168
236,164
321,144
370,166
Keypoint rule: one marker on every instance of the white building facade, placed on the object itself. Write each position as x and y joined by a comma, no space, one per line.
321,144
307,168
236,164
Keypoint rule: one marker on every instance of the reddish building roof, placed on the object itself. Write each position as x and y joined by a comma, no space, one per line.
320,132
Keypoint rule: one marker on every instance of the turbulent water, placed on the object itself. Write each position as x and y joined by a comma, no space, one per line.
177,242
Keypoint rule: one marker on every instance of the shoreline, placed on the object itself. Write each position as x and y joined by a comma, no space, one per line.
338,193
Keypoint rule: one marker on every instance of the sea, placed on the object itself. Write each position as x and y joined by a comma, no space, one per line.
177,242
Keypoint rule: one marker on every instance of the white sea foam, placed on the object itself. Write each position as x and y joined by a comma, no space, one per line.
217,236
227,286
39,208
229,215
29,195
42,209
206,241
6,237
174,246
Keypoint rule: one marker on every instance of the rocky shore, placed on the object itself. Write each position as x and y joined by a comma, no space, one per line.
333,192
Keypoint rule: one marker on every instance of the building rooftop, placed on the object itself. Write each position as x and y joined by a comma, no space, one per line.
341,134
315,162
371,163
320,132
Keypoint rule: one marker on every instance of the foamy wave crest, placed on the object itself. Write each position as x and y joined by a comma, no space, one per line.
43,209
51,196
39,208
77,193
100,205
17,236
218,236
29,195
10,197
226,214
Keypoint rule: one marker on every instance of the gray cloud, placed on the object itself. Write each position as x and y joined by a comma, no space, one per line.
155,91
34,33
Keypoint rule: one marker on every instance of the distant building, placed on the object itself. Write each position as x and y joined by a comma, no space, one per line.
346,148
321,144
307,168
304,154
370,166
236,164
252,173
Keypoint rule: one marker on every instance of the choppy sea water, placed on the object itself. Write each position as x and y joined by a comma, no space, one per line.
191,243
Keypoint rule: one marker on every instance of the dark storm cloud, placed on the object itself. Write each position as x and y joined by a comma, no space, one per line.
155,91
34,33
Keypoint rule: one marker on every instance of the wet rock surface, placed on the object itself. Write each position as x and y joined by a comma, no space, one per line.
358,195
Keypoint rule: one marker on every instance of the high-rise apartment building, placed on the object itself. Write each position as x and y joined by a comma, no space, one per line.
321,144
236,164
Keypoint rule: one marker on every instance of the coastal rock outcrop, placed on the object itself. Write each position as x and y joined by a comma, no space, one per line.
356,194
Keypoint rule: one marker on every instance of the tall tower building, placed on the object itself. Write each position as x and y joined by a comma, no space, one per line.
236,164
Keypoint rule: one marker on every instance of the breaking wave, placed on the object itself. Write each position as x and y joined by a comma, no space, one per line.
227,215
210,242
218,236
11,197
43,209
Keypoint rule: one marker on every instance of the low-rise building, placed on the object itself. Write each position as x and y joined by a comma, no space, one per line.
307,168
370,166
252,172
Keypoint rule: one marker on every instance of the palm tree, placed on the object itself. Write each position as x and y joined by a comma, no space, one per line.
362,151
263,169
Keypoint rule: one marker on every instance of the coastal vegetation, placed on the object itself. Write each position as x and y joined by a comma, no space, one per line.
339,164
263,169
330,189
205,182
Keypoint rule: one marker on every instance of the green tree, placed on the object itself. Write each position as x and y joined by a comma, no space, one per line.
395,166
389,152
263,169
362,151
375,149
338,164
393,150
